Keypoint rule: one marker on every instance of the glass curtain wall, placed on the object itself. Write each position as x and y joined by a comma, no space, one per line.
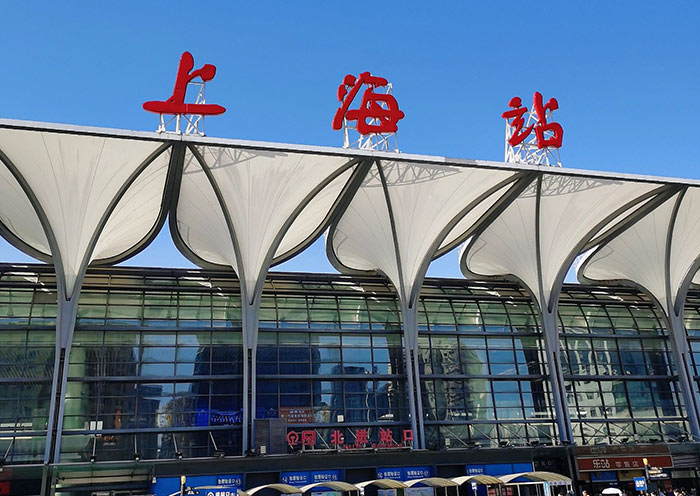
692,327
27,353
155,369
330,361
618,368
483,368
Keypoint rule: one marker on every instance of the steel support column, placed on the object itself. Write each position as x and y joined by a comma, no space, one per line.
413,386
550,331
250,343
681,355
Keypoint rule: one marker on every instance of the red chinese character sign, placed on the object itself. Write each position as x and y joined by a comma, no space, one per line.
524,146
349,439
376,117
177,108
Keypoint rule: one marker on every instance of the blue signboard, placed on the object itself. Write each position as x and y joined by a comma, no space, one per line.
164,486
497,469
604,476
394,473
295,478
229,480
475,470
404,473
218,417
410,473
640,483
326,475
303,478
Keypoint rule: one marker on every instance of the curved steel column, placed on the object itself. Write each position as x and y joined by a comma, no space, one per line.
681,354
550,331
410,346
65,325
249,314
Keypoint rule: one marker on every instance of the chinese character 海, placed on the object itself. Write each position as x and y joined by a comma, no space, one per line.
381,109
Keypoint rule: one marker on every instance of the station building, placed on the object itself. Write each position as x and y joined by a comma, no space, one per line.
123,380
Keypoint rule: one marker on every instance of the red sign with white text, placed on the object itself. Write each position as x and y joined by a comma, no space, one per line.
622,463
297,414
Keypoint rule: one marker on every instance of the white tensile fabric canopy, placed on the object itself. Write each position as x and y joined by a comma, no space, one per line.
395,223
81,196
73,198
535,239
661,254
235,208
73,180
537,236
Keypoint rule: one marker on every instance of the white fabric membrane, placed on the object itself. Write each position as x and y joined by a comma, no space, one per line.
261,191
17,214
74,179
137,212
646,240
200,220
570,207
422,200
310,218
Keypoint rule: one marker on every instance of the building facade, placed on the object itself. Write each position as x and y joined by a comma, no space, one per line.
124,379
155,376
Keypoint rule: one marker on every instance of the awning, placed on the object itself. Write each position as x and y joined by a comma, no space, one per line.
536,477
479,479
334,485
382,484
279,487
432,482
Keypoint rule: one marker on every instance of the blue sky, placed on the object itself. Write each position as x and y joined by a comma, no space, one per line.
626,75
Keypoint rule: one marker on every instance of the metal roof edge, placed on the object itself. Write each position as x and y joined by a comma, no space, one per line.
327,150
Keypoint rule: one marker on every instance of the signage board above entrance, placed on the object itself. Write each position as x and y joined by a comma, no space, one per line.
594,464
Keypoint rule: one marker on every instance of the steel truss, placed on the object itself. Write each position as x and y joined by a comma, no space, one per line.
193,123
385,142
528,152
